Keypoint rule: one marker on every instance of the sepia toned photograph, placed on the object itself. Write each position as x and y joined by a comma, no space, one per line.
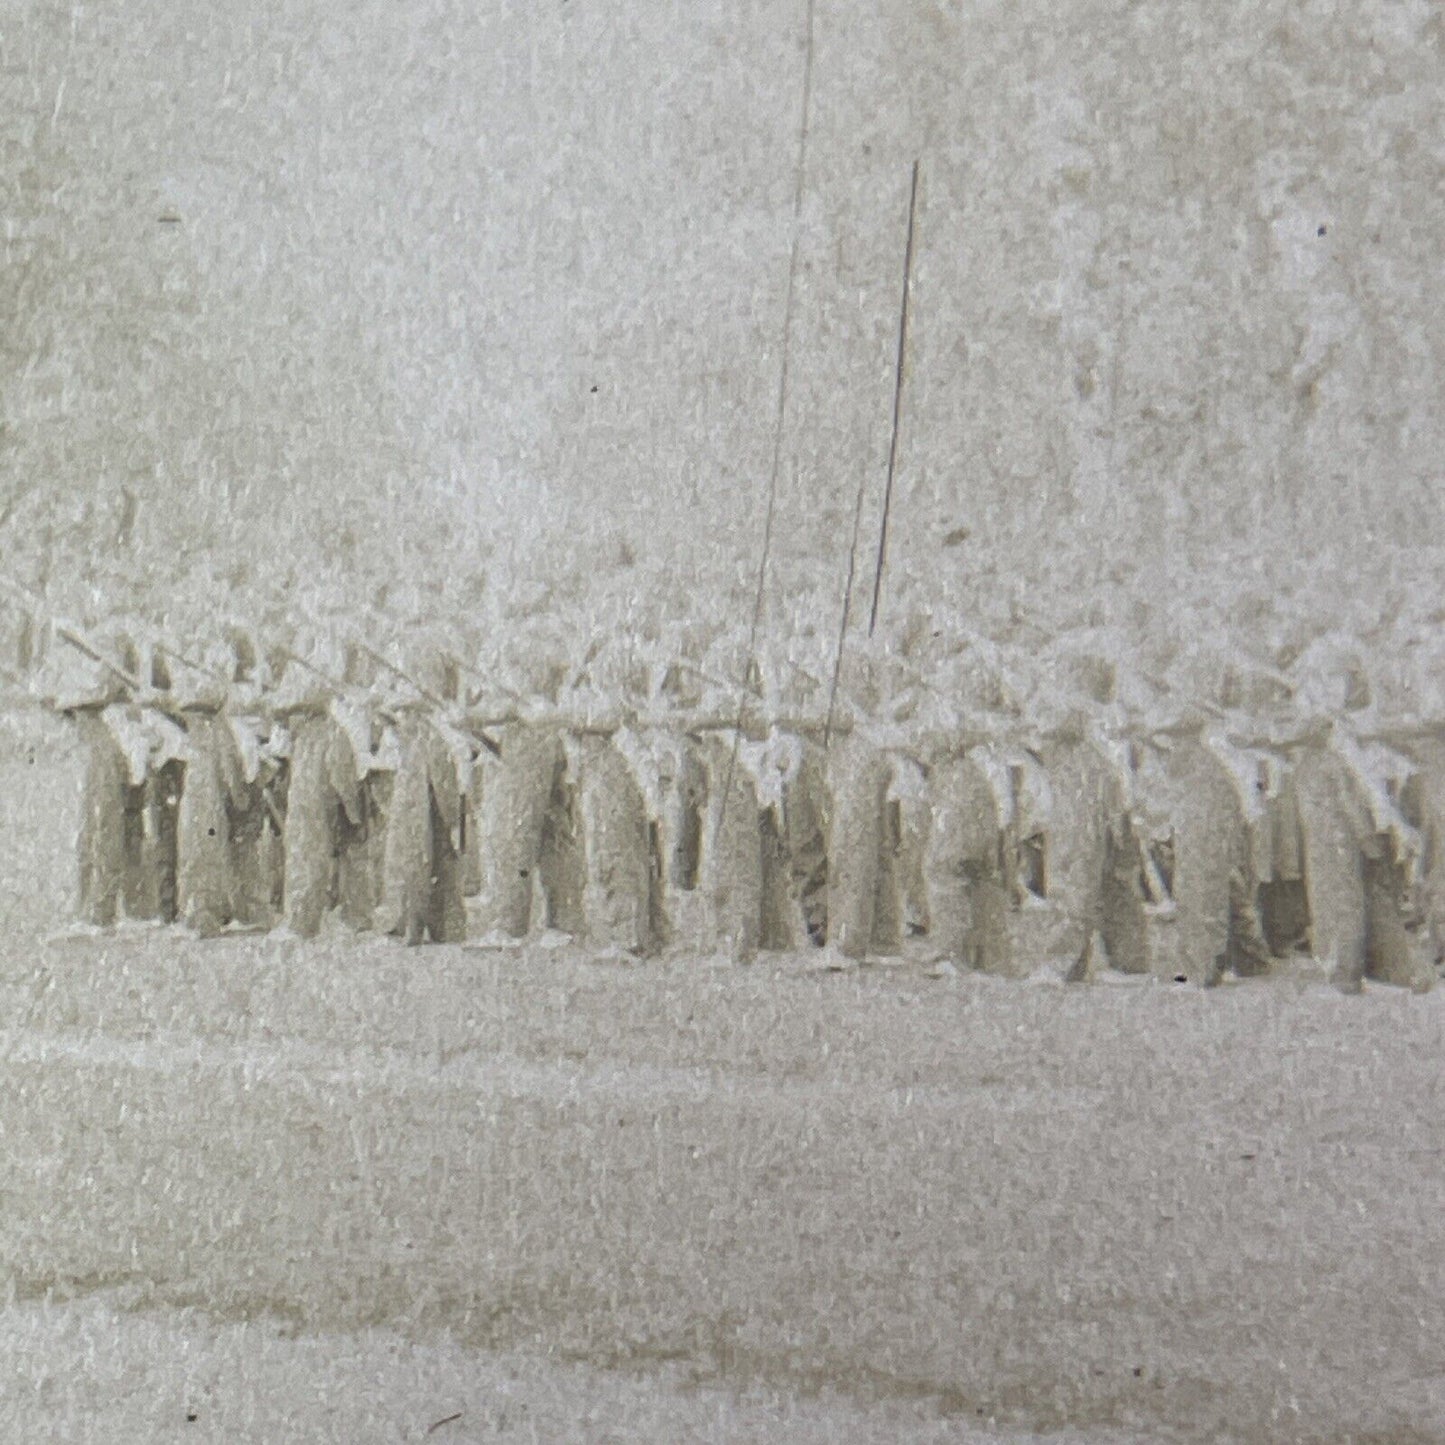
722,722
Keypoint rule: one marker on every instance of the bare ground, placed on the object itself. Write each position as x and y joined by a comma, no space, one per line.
703,1201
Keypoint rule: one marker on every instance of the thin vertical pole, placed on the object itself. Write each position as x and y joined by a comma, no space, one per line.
897,402
780,416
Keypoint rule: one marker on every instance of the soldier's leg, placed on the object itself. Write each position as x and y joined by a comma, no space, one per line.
561,863
804,830
732,858
164,801
447,909
380,786
888,890
614,842
1393,954
858,783
101,843
686,807
1334,866
474,875
1248,952
408,888
514,817
989,945
1124,926
946,866
810,879
273,867
140,886
1283,908
782,922
413,888
250,886
658,922
355,876
309,849
1122,918
913,847
203,845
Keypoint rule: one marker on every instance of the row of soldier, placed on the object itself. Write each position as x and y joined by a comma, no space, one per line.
252,787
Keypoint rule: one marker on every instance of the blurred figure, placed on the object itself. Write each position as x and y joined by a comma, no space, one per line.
220,816
423,858
154,859
967,894
327,820
607,691
82,689
527,825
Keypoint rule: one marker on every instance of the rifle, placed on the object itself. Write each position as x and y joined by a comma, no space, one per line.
702,674
474,698
194,666
315,671
1401,735
34,606
1203,704
86,650
490,743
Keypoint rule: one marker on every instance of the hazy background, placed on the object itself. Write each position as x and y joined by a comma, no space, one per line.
309,293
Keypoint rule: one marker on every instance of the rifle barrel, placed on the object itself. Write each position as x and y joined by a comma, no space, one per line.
490,743
87,650
185,661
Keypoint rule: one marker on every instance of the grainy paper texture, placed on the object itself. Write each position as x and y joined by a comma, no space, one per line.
861,583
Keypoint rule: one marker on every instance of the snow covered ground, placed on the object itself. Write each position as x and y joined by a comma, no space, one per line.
343,1190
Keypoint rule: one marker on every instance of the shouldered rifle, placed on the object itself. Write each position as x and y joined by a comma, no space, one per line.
200,667
490,743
